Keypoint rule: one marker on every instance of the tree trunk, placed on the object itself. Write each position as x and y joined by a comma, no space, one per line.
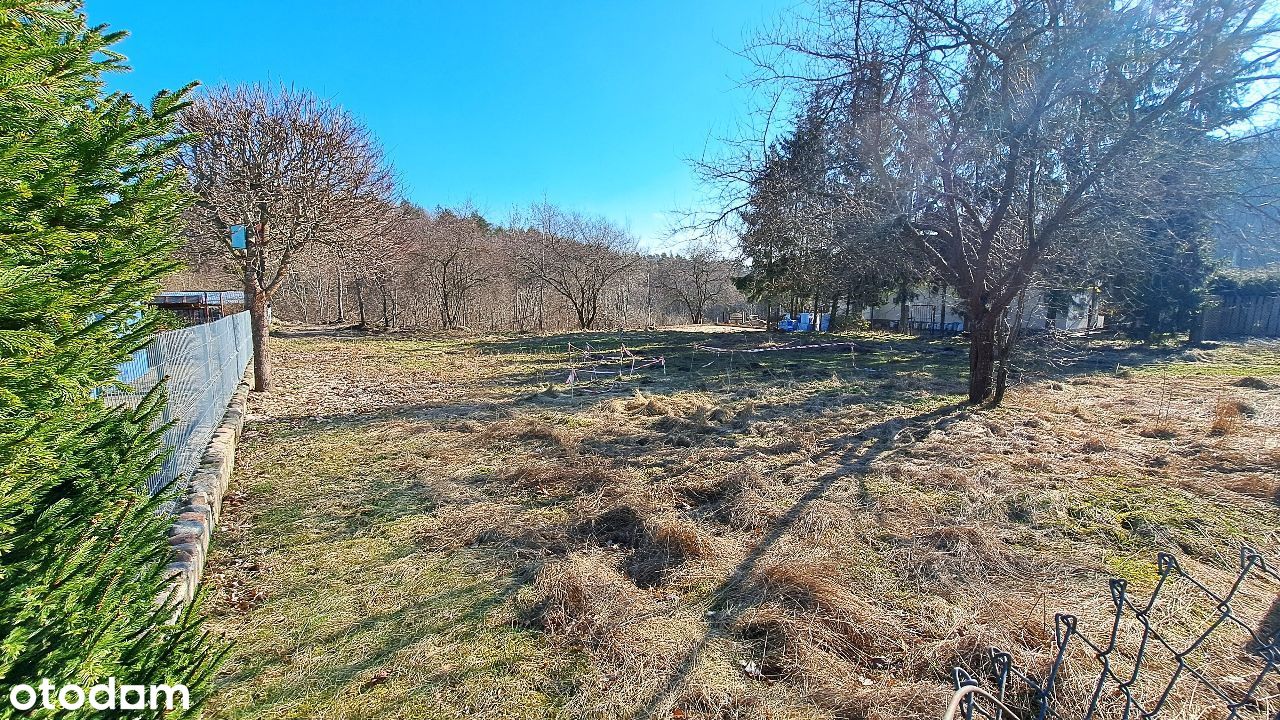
1197,328
342,315
982,358
260,331
542,326
256,297
1002,376
904,317
983,346
364,322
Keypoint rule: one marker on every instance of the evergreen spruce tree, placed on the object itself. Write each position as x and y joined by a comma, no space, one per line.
89,214
1159,286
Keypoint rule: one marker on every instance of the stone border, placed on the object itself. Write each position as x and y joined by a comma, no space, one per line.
198,510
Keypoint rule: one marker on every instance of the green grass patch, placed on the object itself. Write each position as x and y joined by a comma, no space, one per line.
357,617
1227,361
1138,519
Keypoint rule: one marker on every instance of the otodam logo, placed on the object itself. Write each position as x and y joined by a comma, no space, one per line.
109,695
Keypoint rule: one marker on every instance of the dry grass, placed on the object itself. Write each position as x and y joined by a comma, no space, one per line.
663,547
959,551
1253,383
582,475
801,615
1159,430
1228,415
532,429
431,528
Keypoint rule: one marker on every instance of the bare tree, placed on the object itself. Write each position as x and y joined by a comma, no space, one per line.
694,280
289,167
1001,136
575,256
455,251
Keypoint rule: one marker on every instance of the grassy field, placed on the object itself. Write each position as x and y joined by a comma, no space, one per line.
438,527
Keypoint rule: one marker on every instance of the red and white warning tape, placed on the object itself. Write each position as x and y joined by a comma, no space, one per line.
593,360
816,346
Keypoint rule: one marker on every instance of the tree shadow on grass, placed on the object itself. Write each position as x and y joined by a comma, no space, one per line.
690,364
855,457
459,615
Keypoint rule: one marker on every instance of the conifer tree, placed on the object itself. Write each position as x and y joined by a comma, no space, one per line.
89,215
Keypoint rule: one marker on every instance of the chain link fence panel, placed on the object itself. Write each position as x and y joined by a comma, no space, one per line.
203,365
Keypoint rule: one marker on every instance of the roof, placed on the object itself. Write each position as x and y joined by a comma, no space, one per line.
200,297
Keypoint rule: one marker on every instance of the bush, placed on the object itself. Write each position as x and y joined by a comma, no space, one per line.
89,215
1262,282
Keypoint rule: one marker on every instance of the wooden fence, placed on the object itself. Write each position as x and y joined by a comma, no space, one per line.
1233,317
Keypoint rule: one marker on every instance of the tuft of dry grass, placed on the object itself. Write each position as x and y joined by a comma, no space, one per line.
749,510
620,526
532,429
742,498
1162,430
667,544
1093,445
801,614
1253,383
550,478
823,517
650,406
1228,416
718,489
588,602
1242,408
950,552
584,602
1033,463
678,538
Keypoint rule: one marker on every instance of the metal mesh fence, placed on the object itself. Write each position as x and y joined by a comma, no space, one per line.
1187,651
203,365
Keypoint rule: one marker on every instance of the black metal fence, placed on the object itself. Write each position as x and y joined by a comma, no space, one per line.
1153,656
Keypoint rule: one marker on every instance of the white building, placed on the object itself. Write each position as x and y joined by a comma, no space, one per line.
930,310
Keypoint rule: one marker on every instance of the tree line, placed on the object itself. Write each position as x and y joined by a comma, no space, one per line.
328,239
544,270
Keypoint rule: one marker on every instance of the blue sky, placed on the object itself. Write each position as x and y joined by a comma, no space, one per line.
592,105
